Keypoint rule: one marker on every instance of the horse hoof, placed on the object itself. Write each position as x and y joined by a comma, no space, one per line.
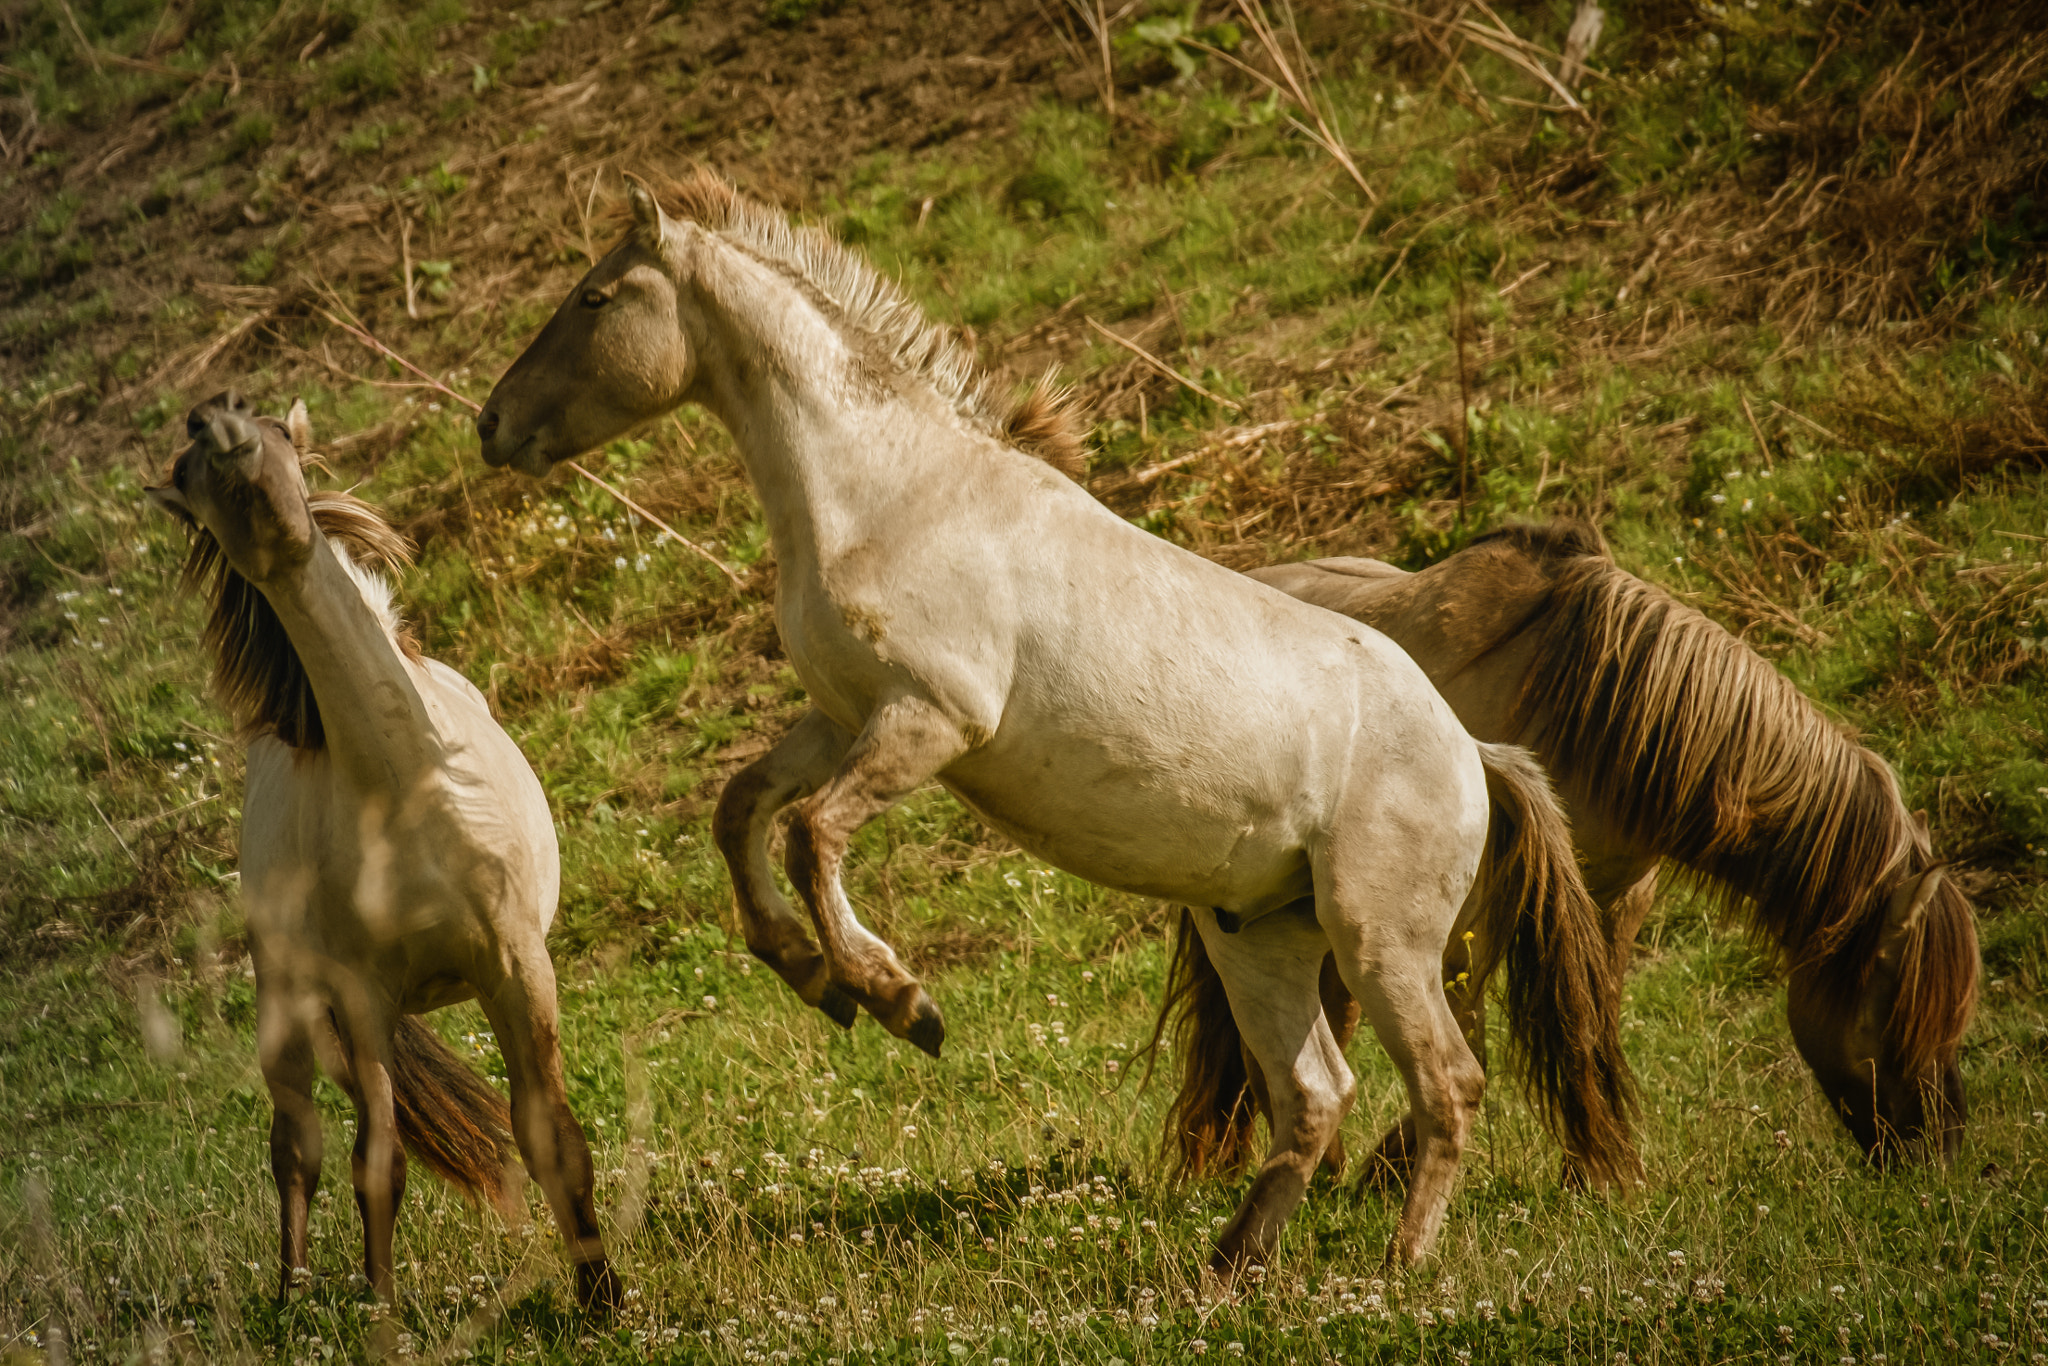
839,1007
597,1287
927,1027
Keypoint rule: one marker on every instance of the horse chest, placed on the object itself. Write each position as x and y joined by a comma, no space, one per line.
839,645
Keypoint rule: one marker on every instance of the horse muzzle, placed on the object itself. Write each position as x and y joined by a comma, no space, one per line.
527,456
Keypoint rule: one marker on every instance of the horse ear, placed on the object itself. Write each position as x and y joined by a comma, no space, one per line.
299,423
1920,824
650,224
1909,908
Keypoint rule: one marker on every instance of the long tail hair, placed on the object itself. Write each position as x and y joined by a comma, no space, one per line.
1563,1013
1209,1123
449,1118
1535,916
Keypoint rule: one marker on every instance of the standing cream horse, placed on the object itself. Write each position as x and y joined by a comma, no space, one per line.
1668,739
1116,705
397,854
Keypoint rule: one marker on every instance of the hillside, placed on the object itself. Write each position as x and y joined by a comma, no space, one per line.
1762,296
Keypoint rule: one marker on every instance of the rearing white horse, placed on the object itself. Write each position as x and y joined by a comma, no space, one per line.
1118,706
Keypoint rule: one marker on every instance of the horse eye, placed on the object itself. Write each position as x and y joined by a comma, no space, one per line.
595,298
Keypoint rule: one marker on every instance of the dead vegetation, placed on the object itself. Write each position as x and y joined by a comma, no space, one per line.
1878,190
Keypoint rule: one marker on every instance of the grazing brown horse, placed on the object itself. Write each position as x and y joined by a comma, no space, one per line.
397,854
1667,738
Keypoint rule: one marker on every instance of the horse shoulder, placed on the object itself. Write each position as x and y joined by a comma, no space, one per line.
497,802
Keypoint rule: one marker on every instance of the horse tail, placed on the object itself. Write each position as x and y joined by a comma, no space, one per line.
1209,1124
449,1117
1563,1007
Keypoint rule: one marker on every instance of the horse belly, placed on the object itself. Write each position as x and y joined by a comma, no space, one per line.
1197,829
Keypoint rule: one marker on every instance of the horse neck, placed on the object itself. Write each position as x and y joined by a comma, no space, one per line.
378,731
817,431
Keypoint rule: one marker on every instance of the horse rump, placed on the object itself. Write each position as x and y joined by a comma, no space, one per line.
1537,919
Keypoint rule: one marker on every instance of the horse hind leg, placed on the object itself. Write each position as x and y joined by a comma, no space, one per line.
1340,1009
1388,923
1269,971
905,742
1392,1162
377,1163
1625,901
740,825
523,1014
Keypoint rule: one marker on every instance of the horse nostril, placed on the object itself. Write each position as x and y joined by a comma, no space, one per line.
487,424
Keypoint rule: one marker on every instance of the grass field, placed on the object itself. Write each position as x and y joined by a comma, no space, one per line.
1770,310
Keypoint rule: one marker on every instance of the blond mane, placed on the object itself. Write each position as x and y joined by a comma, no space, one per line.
860,298
257,674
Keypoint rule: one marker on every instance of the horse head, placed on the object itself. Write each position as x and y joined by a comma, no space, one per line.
1885,1054
617,352
240,482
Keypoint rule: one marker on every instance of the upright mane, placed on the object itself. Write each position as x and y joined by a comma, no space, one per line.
1733,772
862,299
257,674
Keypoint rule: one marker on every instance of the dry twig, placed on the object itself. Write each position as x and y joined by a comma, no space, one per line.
1163,368
1292,86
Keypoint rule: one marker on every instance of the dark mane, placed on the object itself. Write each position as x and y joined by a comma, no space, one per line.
1565,538
257,674
1698,747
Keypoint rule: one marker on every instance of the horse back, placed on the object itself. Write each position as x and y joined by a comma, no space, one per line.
1466,620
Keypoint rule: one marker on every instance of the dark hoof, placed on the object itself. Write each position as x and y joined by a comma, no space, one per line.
597,1287
927,1028
839,1007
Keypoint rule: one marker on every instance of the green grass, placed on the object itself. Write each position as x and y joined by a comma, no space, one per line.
1864,504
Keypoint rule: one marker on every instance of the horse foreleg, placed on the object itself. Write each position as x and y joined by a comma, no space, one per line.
286,1051
1625,908
794,768
905,742
523,1013
1269,972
